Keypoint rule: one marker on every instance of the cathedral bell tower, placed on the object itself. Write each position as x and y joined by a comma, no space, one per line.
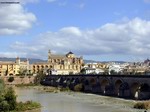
49,55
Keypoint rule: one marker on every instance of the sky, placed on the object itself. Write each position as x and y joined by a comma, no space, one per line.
102,30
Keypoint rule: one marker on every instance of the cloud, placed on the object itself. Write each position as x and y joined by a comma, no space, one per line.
15,19
123,38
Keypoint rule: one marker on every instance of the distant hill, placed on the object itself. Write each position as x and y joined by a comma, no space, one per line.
32,60
90,61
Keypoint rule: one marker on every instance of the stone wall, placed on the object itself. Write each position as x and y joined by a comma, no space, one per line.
19,79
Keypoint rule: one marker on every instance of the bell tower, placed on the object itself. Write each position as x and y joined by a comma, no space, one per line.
49,55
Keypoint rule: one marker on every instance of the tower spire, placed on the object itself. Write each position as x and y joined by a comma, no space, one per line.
49,55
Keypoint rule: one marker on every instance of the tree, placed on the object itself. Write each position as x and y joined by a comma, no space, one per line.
2,86
10,97
40,76
4,106
113,72
10,79
83,71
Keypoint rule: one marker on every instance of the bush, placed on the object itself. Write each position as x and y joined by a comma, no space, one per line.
29,105
10,97
8,101
142,105
4,106
78,87
10,79
2,86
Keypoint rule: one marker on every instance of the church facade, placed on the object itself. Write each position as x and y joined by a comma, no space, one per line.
59,64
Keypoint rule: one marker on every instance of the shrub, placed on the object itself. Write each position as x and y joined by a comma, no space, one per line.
4,106
10,97
78,87
29,105
142,105
2,86
10,79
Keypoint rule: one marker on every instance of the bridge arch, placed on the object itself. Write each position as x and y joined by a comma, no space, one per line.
144,87
124,90
104,82
92,81
144,91
86,82
117,85
134,89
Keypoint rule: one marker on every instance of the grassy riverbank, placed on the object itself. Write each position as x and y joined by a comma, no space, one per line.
28,105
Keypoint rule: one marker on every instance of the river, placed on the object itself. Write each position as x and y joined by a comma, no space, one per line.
75,102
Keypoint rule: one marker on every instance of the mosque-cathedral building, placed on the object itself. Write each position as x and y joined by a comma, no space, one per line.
59,64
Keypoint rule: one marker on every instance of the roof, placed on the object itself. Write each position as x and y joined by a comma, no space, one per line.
70,52
7,62
40,63
53,56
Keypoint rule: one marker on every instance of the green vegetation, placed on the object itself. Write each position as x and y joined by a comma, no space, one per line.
2,86
40,76
83,71
28,105
78,87
25,85
10,79
142,105
8,101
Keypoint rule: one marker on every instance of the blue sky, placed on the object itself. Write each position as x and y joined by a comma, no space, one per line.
96,29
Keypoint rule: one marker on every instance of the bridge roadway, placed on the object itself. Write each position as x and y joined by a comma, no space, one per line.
125,86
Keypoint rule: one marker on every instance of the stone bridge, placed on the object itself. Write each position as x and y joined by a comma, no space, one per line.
125,86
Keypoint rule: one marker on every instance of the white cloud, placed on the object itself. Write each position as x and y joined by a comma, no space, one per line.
14,19
71,31
125,38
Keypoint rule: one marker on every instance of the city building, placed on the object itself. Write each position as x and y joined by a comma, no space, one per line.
59,64
95,68
8,68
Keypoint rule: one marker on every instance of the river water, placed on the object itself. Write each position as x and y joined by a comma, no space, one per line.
74,102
